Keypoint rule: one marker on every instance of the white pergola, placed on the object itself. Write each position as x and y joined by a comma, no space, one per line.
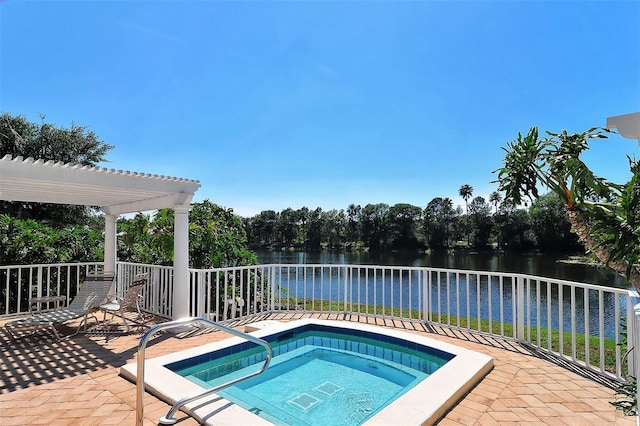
116,192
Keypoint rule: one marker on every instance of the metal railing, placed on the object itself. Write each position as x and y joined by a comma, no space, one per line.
19,283
579,323
168,419
158,293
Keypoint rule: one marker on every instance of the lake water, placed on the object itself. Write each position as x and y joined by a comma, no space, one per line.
547,265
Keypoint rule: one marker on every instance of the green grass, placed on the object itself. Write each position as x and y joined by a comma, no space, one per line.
489,327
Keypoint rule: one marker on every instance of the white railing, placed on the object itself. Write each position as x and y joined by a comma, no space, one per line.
551,315
21,282
158,293
229,293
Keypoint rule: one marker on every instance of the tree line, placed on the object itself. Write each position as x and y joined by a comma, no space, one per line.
221,238
493,224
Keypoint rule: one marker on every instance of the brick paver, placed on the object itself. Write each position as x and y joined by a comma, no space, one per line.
75,381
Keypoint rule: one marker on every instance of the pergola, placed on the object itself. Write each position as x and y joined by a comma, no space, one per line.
116,192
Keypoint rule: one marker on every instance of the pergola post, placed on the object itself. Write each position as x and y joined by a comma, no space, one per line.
109,243
110,246
181,287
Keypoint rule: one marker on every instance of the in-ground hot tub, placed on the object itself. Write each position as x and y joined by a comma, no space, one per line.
322,373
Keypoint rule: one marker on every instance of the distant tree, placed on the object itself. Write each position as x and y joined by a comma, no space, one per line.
314,230
437,223
77,145
334,224
495,198
302,224
480,222
466,192
513,228
401,222
353,218
286,227
550,225
372,222
261,228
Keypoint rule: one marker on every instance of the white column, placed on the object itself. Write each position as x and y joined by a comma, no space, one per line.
110,246
109,243
181,262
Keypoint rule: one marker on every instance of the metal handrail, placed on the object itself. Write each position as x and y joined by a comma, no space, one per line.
169,419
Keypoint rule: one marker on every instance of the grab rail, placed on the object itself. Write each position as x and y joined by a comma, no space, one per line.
169,419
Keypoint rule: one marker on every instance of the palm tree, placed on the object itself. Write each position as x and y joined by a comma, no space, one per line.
466,191
495,199
604,215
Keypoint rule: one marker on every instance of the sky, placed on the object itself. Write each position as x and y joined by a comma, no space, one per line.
277,104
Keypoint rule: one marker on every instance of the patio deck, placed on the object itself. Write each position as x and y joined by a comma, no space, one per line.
75,381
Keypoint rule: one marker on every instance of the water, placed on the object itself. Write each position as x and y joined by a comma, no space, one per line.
543,265
320,387
317,377
406,290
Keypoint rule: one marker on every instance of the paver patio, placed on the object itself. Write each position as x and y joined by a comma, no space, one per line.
76,381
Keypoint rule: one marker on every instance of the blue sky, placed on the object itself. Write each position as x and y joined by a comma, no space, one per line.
276,104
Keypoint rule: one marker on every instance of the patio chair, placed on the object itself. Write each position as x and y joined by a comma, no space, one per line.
233,307
130,301
90,296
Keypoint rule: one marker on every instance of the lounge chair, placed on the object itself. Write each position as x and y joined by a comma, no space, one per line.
90,296
130,301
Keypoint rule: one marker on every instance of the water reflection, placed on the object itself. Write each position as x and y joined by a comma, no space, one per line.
549,266
448,294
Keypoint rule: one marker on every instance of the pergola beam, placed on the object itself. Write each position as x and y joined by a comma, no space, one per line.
181,199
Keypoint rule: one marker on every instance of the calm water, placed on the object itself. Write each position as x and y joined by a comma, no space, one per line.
549,266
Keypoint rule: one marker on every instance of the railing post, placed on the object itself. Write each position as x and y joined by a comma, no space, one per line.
633,333
203,297
426,276
346,276
272,290
520,298
38,283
